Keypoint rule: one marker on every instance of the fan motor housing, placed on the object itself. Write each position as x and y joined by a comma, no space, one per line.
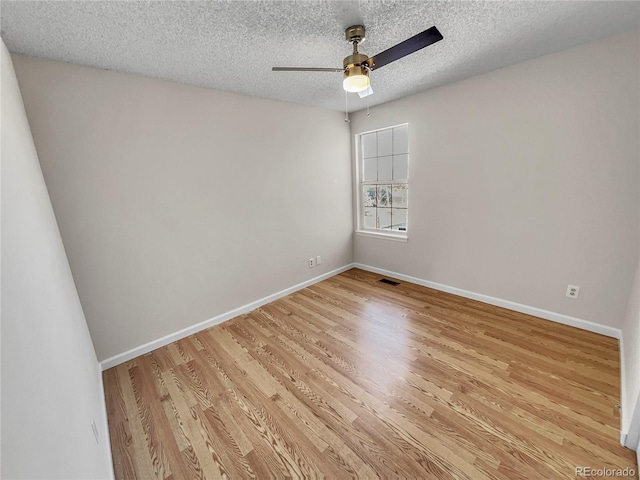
356,70
354,60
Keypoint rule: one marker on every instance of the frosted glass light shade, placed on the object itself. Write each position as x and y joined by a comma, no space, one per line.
356,78
356,83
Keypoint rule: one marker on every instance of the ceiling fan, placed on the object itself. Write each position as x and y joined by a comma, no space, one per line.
356,67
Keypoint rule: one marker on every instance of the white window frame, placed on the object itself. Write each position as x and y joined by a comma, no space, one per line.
360,183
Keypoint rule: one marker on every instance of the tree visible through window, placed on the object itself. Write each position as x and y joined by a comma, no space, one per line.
384,173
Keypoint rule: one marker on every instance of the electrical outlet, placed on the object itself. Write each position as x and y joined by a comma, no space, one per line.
572,291
318,260
312,262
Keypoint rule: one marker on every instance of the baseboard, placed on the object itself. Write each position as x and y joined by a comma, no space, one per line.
623,438
623,392
106,437
546,314
630,430
631,437
518,307
185,332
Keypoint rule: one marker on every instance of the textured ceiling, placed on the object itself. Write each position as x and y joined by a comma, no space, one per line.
232,45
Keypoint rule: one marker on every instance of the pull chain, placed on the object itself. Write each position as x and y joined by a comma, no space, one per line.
346,107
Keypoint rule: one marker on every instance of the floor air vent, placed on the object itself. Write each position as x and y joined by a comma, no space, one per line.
389,282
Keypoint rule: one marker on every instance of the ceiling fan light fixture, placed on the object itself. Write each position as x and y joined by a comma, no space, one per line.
356,67
356,79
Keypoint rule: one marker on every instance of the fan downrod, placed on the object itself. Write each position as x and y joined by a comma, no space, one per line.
355,62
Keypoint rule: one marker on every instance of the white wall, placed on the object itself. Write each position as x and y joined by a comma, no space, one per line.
177,203
50,379
524,180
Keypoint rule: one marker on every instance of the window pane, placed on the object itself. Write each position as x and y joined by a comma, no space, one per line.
400,167
383,198
369,217
370,170
401,139
385,143
399,219
385,168
399,197
369,196
369,145
383,173
384,218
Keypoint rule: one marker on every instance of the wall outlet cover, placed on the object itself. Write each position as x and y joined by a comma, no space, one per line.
572,291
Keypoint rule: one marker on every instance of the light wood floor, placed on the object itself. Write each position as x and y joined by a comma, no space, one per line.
352,377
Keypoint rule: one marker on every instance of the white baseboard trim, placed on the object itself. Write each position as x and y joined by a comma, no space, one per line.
631,438
105,437
518,307
623,392
629,429
185,332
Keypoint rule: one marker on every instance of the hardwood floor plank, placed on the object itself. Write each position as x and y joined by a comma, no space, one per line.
163,450
125,463
142,457
325,439
353,378
209,460
294,462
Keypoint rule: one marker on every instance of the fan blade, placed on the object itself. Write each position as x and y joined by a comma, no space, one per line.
409,46
365,93
306,69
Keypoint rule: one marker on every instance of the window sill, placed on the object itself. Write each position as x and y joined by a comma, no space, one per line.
396,237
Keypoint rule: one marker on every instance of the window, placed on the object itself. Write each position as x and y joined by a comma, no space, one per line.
384,173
